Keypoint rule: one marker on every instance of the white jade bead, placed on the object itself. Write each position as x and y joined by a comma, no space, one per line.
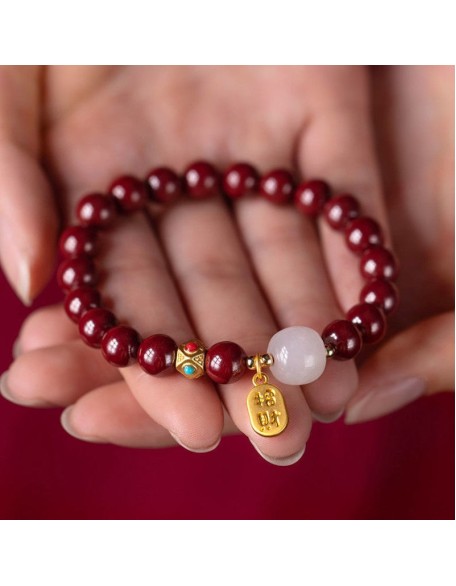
299,355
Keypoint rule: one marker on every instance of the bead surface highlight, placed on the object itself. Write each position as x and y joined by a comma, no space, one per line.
369,320
129,193
119,346
201,180
165,186
277,186
311,196
240,179
157,353
94,324
340,210
382,293
299,355
225,362
379,262
76,272
343,338
363,232
78,241
96,209
80,300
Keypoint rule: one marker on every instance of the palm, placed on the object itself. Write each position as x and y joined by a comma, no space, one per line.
417,158
104,122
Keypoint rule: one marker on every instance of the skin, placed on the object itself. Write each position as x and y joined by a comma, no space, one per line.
314,120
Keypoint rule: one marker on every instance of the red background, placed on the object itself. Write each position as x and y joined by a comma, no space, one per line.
400,467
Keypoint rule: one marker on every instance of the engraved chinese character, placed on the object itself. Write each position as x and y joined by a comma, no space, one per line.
269,398
263,418
274,417
259,399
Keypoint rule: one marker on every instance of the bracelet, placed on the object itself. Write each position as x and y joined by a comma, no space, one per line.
295,355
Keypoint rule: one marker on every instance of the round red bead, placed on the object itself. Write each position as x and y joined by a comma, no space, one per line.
382,293
77,241
225,362
94,324
363,232
80,300
240,179
378,262
75,272
96,210
201,180
129,192
344,338
311,196
369,320
120,346
156,354
165,186
277,186
340,210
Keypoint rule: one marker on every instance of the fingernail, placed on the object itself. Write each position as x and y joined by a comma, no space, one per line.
17,271
16,349
23,284
6,394
287,461
196,450
65,421
386,398
328,418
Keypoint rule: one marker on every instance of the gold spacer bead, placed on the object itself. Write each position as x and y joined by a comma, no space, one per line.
267,360
190,358
330,351
250,362
263,359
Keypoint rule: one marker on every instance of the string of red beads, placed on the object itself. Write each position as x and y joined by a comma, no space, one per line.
121,345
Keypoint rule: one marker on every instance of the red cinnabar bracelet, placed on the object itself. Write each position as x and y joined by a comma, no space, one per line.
295,355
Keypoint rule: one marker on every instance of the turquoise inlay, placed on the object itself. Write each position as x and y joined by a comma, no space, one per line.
189,369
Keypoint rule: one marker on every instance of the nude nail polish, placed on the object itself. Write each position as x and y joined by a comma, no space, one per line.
287,461
6,394
65,422
196,450
383,399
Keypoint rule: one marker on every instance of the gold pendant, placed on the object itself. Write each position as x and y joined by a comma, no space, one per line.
266,406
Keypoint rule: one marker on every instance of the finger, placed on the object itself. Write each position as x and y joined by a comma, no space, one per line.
56,375
338,146
47,326
111,414
144,296
287,258
28,215
226,304
415,362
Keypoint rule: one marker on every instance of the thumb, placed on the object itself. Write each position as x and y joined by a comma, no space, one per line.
417,361
28,216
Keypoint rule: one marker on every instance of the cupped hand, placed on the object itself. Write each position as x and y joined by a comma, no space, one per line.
414,108
202,271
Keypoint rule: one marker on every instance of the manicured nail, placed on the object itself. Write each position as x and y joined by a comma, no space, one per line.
6,394
23,283
287,461
65,421
328,418
17,270
196,450
16,349
383,399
